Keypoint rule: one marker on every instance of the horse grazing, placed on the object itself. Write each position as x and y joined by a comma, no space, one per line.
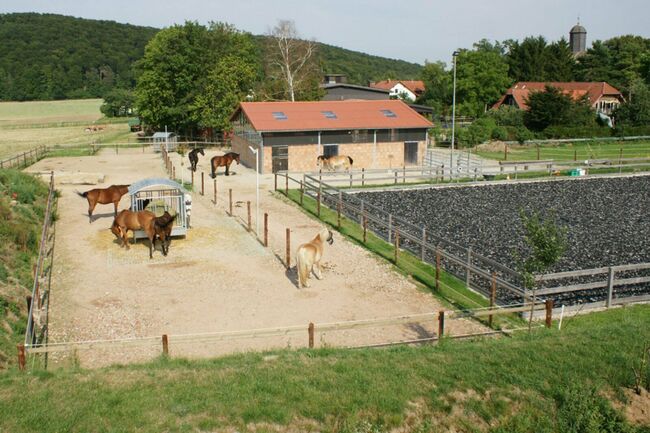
223,161
112,194
333,163
309,255
162,227
128,220
194,157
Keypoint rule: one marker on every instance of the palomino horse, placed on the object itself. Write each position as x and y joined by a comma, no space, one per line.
223,161
194,157
112,194
309,255
162,227
334,163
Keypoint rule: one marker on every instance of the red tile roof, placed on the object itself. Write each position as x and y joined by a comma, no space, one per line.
594,91
415,86
350,114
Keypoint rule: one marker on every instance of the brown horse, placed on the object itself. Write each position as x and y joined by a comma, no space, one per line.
309,255
194,157
112,194
128,220
334,162
223,161
162,227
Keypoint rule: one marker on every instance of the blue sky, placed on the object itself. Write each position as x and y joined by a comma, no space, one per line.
413,30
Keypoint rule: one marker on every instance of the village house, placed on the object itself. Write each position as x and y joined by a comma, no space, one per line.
412,89
603,97
291,135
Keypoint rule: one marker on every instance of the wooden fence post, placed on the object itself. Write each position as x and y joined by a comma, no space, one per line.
266,229
575,155
437,269
403,173
21,357
302,192
395,177
424,242
338,210
230,201
248,209
468,274
318,202
275,181
288,254
505,152
202,183
610,286
173,172
390,226
165,345
365,228
214,188
363,176
549,312
310,330
286,184
538,151
396,245
441,324
493,296
192,171
350,178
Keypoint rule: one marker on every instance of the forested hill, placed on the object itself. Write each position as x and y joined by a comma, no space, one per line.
44,56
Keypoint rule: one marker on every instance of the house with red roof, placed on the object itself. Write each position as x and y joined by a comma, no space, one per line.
603,97
291,135
411,88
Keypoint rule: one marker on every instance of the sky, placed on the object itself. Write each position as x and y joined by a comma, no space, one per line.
411,30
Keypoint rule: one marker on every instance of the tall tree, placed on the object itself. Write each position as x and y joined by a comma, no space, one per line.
482,77
636,110
527,59
553,107
560,63
292,61
437,87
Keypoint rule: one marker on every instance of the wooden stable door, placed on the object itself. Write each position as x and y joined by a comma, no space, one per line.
410,152
280,158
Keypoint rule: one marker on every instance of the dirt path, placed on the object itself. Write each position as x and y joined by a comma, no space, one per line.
218,278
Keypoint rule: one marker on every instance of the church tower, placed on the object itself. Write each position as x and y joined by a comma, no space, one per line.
578,39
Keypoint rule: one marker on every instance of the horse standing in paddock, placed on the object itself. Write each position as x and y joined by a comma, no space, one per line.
333,163
162,227
223,161
194,157
309,255
112,194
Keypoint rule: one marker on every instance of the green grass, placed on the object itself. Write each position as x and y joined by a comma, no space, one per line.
544,382
570,151
20,231
452,290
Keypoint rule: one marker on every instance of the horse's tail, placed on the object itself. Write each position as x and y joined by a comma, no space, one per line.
302,268
350,159
82,194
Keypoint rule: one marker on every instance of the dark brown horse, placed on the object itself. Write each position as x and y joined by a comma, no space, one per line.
223,161
194,157
112,194
162,227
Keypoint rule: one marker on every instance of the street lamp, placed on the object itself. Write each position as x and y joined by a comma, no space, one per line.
257,189
453,119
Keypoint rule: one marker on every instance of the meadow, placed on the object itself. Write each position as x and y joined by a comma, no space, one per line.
25,125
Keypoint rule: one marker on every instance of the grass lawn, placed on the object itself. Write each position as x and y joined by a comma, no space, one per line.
548,381
25,125
569,151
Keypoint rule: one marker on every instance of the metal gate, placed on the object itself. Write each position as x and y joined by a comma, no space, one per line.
280,158
410,152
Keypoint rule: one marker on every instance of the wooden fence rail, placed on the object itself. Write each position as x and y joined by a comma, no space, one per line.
25,158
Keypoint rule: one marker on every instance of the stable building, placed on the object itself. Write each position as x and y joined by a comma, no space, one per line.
291,135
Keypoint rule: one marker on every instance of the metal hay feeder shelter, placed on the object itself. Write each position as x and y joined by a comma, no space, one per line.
163,195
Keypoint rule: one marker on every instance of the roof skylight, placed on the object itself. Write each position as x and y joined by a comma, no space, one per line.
388,113
329,114
279,115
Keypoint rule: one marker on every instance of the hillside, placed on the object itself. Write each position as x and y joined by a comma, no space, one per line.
47,56
546,382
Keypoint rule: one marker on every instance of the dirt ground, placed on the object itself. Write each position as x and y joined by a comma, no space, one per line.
218,278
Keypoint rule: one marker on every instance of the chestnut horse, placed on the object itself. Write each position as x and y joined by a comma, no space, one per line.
334,162
143,220
194,157
309,255
223,161
112,194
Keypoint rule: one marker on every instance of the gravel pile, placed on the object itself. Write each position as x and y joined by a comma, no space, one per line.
606,218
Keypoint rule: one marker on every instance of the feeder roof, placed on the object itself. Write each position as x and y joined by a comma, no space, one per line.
156,181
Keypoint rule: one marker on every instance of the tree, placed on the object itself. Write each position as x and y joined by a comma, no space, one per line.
177,73
553,107
560,63
535,60
292,61
636,110
482,77
118,103
437,87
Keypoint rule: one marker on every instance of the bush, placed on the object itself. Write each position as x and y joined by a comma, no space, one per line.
478,132
500,133
506,115
577,132
631,131
523,134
